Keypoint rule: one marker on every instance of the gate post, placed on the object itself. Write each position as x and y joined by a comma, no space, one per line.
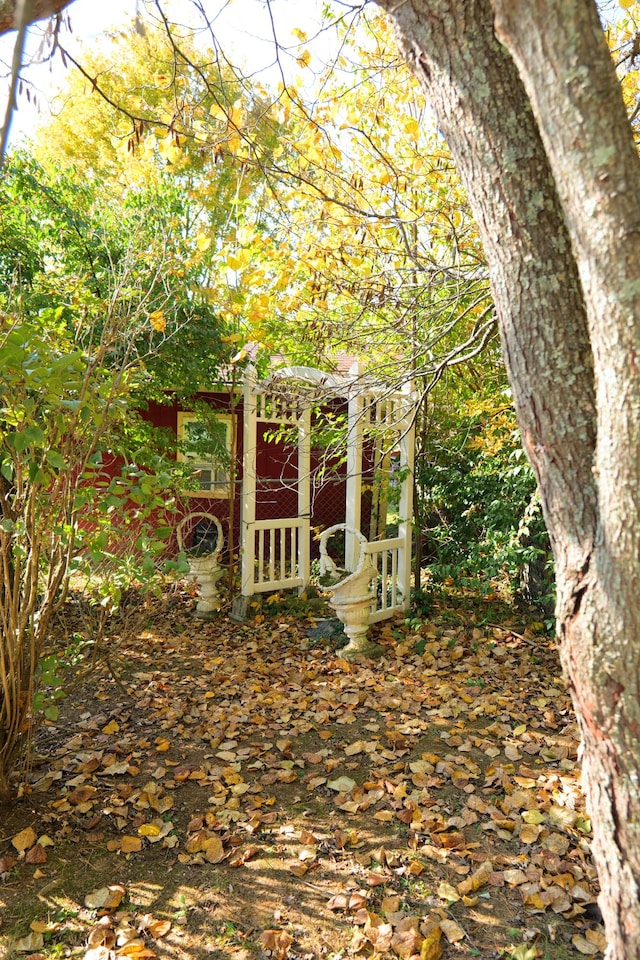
353,516
248,540
304,495
407,465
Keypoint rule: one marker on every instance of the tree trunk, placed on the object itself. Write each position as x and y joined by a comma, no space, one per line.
570,79
572,368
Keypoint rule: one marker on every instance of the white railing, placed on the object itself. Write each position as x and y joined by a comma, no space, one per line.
388,597
277,555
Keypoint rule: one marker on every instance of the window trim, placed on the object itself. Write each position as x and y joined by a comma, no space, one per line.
222,489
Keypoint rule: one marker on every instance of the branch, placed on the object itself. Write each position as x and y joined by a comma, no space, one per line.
39,10
23,12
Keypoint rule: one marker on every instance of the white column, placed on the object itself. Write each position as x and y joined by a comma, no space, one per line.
248,511
304,495
353,516
407,465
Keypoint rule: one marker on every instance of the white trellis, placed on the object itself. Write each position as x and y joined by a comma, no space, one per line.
276,552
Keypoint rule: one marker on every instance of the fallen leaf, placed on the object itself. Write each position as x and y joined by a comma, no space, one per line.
37,854
213,850
23,840
29,944
98,953
42,926
155,928
515,877
130,844
149,830
431,948
533,816
477,879
529,832
276,943
598,937
342,784
406,943
584,946
105,898
448,892
452,930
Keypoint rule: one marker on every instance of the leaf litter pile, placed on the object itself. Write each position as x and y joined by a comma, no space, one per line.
242,791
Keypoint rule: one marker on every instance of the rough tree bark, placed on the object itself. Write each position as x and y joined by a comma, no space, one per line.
557,201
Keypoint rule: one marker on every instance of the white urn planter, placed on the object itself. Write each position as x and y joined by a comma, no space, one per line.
204,568
352,596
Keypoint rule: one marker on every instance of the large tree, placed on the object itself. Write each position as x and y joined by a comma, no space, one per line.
528,100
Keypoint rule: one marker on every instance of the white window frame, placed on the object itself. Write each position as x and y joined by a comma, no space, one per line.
221,484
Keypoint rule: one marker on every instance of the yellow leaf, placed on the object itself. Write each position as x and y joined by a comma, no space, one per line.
304,59
235,261
477,879
25,839
203,242
533,816
447,892
112,726
431,948
41,926
412,126
158,321
149,830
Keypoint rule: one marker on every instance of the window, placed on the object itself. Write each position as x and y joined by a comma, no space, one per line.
205,443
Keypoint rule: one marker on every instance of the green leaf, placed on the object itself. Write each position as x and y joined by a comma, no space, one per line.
55,458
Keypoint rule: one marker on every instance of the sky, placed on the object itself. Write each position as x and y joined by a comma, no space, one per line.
243,27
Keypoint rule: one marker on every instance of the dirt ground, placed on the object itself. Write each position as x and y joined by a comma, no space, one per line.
220,790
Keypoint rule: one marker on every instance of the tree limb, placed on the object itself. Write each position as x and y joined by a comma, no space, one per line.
40,10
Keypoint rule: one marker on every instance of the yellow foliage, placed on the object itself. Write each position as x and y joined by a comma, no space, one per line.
158,320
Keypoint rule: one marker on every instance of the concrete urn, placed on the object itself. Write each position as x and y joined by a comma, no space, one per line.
351,596
204,567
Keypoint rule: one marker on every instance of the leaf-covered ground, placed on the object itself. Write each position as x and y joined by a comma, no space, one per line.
240,791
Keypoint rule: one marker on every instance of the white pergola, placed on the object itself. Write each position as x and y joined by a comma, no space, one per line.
276,553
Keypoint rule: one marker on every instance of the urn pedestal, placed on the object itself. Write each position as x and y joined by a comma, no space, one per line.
204,567
351,597
206,572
